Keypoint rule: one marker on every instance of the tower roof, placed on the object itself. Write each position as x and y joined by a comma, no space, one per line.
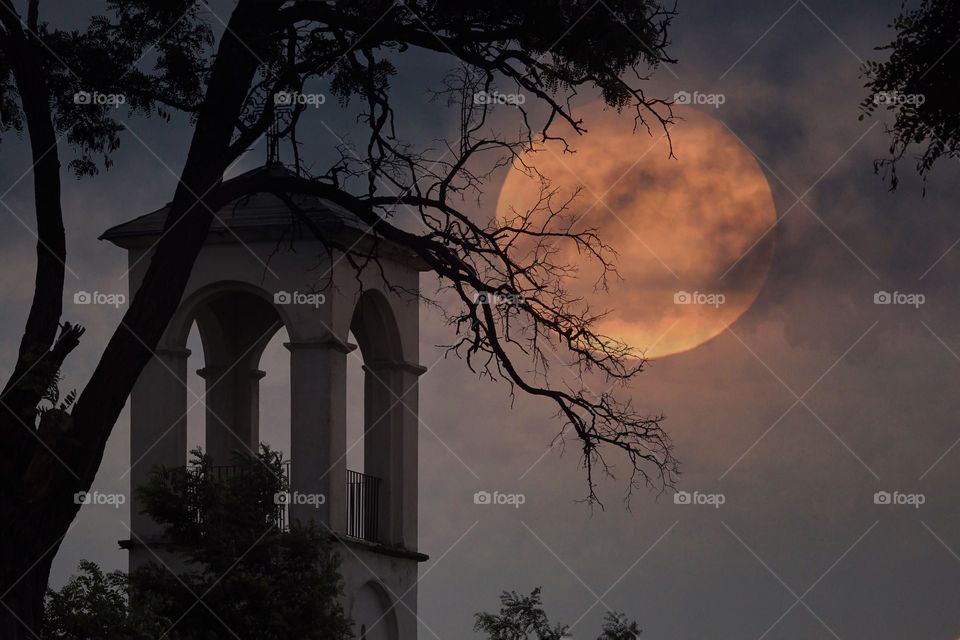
250,217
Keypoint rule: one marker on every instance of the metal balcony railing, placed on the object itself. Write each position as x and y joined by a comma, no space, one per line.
363,506
219,473
363,500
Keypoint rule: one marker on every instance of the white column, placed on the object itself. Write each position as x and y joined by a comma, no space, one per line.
391,406
318,429
158,426
380,401
407,452
233,410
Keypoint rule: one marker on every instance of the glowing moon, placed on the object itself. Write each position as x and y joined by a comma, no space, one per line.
693,233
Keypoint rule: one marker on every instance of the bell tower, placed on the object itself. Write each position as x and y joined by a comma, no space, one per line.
241,292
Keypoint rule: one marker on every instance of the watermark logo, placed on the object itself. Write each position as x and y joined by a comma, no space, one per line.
898,99
114,300
711,99
115,500
715,500
284,498
897,499
296,297
495,97
499,299
485,497
99,99
291,98
700,298
897,297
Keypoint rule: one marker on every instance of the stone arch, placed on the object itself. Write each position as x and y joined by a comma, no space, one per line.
374,325
236,322
373,613
193,305
376,494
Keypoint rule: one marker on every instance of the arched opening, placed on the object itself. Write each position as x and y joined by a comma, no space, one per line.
375,328
373,489
248,382
196,388
372,432
372,615
237,374
275,394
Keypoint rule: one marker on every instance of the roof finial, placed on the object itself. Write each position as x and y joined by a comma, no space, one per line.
281,117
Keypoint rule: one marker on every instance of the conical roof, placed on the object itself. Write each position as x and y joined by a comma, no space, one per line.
250,213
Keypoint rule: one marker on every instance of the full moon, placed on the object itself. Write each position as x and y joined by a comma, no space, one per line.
692,233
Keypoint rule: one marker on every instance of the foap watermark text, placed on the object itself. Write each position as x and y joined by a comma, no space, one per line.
297,297
495,97
498,498
715,500
295,497
899,298
115,300
291,98
99,99
115,500
699,298
712,99
898,499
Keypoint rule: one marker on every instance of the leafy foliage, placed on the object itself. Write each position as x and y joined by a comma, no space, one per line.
208,511
522,617
616,626
97,605
918,85
255,579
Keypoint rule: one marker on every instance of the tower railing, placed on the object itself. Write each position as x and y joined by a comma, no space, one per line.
363,500
219,473
363,506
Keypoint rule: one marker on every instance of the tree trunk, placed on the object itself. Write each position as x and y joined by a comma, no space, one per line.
30,378
43,471
24,587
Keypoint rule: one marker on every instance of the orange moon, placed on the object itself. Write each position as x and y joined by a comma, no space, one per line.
692,233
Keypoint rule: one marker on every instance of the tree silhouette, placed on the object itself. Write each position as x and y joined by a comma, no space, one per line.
56,82
918,85
245,576
97,605
522,617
